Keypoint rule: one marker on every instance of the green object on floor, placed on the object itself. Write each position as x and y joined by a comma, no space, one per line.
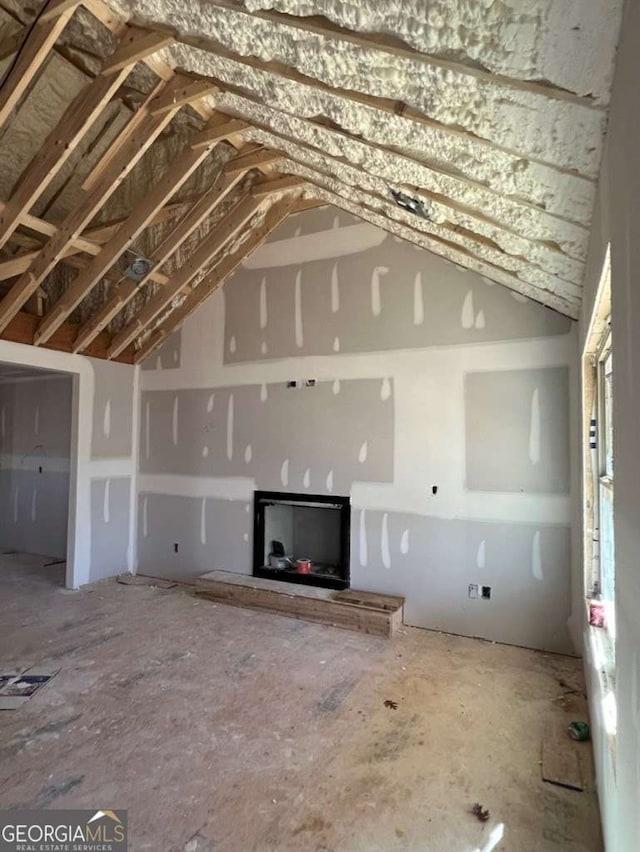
579,731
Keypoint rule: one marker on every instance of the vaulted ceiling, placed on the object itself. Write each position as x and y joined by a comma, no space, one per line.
148,146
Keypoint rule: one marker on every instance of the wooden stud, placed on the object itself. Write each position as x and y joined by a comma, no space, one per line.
30,59
125,134
78,219
279,184
189,93
76,121
137,44
116,24
218,132
89,242
54,8
137,221
264,157
202,208
208,248
277,214
309,204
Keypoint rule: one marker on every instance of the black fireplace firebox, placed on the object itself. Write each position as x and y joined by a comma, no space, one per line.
302,538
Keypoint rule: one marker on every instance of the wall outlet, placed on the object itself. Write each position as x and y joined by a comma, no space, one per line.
175,546
310,383
292,383
486,593
473,590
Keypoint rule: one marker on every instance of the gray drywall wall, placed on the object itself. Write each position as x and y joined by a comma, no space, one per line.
168,356
210,534
391,295
617,221
517,430
432,561
387,422
110,520
35,442
318,438
113,406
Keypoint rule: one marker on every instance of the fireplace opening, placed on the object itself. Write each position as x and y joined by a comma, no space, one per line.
302,538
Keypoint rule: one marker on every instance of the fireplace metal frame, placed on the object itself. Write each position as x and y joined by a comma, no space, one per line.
343,505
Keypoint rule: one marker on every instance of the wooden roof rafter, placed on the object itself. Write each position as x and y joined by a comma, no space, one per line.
139,218
220,272
192,220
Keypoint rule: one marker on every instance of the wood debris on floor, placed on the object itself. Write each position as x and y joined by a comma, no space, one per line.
141,580
560,757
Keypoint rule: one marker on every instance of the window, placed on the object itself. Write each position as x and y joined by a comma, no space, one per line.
605,466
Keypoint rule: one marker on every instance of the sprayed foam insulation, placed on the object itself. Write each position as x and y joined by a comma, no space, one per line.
492,212
505,170
556,130
458,258
460,154
560,41
527,272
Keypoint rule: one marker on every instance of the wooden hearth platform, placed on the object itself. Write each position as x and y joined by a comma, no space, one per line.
366,612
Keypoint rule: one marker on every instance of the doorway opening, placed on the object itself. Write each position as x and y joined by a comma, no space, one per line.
36,422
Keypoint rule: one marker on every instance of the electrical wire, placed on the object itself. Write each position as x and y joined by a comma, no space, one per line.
16,58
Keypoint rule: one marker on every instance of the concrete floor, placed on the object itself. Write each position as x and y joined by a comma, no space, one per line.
227,729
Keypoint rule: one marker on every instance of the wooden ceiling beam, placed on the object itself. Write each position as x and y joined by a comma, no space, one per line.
226,127
209,247
137,44
254,160
78,219
126,133
54,8
89,242
75,123
308,204
277,214
140,218
192,220
187,94
116,24
279,184
29,60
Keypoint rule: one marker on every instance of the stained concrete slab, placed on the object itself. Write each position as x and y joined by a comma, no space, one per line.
229,729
